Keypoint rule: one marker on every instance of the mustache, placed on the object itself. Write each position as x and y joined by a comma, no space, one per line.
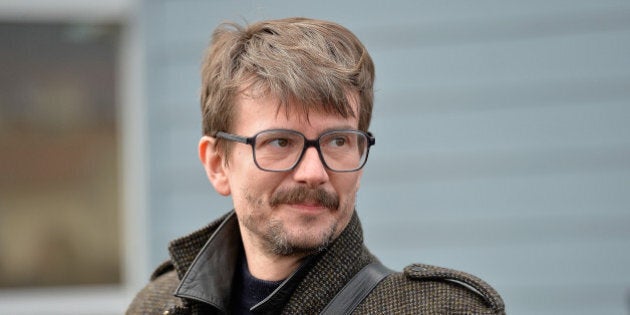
305,195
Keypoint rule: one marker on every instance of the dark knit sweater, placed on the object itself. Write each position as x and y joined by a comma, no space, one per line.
249,290
190,284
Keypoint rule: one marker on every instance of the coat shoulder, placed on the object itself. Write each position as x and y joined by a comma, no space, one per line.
430,289
162,269
471,283
157,296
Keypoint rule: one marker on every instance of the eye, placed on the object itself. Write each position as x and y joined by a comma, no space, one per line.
279,142
338,141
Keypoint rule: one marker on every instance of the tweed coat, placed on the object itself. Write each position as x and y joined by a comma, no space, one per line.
197,281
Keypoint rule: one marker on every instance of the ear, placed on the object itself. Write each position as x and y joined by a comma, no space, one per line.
214,165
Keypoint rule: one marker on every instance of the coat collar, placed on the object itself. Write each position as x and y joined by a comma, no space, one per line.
208,279
206,260
209,276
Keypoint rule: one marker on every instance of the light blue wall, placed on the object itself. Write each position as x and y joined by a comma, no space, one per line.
503,138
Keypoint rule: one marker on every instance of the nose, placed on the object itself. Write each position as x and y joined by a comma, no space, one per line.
311,171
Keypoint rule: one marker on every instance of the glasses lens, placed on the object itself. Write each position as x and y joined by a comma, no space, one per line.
344,150
278,150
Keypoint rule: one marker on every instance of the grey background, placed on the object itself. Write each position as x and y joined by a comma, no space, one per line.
503,138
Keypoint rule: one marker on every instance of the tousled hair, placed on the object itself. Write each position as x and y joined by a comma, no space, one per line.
310,65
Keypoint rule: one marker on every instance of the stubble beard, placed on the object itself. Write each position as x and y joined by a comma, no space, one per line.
274,234
278,242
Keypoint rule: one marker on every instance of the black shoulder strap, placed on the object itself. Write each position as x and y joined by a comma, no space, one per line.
357,289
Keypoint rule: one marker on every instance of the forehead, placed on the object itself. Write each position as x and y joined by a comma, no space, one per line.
259,112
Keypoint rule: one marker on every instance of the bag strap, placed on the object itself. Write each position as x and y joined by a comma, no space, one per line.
357,289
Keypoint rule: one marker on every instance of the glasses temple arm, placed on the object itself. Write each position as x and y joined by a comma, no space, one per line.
232,137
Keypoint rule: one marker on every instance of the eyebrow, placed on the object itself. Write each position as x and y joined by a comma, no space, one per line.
334,128
344,127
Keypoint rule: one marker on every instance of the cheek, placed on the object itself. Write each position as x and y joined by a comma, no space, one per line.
241,169
347,186
356,179
255,187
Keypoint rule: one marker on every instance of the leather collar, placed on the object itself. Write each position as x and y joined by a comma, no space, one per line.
209,277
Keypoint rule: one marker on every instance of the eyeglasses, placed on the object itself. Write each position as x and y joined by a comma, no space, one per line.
280,150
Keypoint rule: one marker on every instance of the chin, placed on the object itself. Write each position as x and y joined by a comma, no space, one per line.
323,232
302,241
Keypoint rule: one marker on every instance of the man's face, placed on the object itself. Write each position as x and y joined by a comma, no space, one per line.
294,212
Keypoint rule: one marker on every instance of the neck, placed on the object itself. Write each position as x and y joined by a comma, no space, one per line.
265,265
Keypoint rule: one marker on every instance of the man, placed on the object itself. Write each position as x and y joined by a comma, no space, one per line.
286,107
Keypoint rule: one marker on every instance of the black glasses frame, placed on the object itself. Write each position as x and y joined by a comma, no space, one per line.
307,144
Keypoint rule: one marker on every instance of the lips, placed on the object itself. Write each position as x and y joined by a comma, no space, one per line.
308,205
